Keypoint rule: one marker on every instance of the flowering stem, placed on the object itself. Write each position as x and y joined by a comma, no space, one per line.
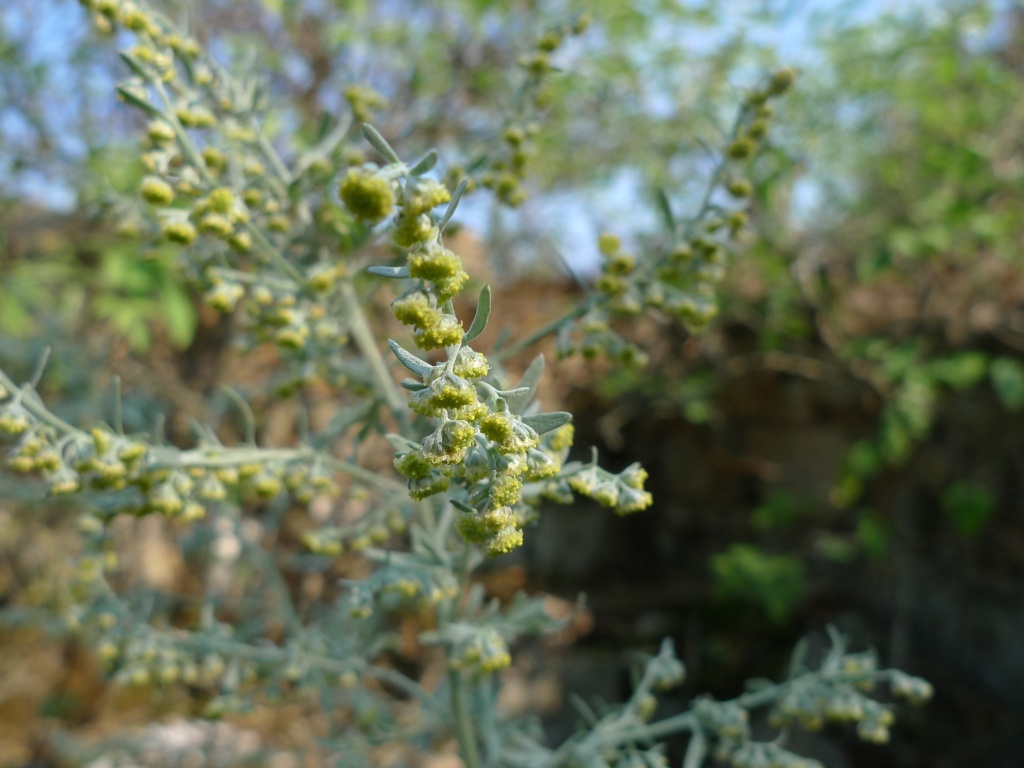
468,748
540,333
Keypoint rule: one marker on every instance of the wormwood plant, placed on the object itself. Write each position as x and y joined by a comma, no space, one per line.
292,244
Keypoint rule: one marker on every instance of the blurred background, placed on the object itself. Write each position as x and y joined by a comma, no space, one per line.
843,446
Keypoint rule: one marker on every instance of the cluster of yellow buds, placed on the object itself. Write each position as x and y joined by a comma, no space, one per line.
168,482
484,652
681,278
507,169
623,492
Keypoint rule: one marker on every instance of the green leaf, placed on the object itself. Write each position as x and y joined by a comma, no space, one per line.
873,535
545,422
1007,376
380,144
409,360
969,506
483,314
960,371
774,583
179,315
665,205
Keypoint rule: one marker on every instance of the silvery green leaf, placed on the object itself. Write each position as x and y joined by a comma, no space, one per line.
462,507
453,203
483,313
379,143
510,394
413,386
545,422
324,148
666,210
127,94
520,397
400,443
424,164
392,272
409,360
134,65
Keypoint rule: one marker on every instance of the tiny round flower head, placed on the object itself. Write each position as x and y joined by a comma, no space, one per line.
505,491
561,438
214,159
740,149
413,465
423,195
180,232
634,476
449,287
620,263
412,229
160,132
416,309
503,541
156,191
449,443
220,200
367,195
443,393
434,483
470,364
434,263
445,333
612,285
522,439
215,224
757,130
632,500
608,244
740,188
540,465
782,80
497,426
240,242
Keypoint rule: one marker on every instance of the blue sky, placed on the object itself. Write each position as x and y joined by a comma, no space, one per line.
51,30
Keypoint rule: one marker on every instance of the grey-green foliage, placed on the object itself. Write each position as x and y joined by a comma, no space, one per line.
283,238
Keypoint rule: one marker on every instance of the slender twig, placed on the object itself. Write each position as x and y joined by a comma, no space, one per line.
367,343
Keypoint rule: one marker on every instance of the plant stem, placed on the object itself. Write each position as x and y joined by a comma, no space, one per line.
367,344
468,748
695,750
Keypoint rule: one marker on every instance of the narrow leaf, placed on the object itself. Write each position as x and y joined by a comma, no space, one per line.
392,272
666,210
380,144
545,422
520,397
134,65
453,203
424,164
483,314
409,360
131,98
462,507
413,386
324,148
